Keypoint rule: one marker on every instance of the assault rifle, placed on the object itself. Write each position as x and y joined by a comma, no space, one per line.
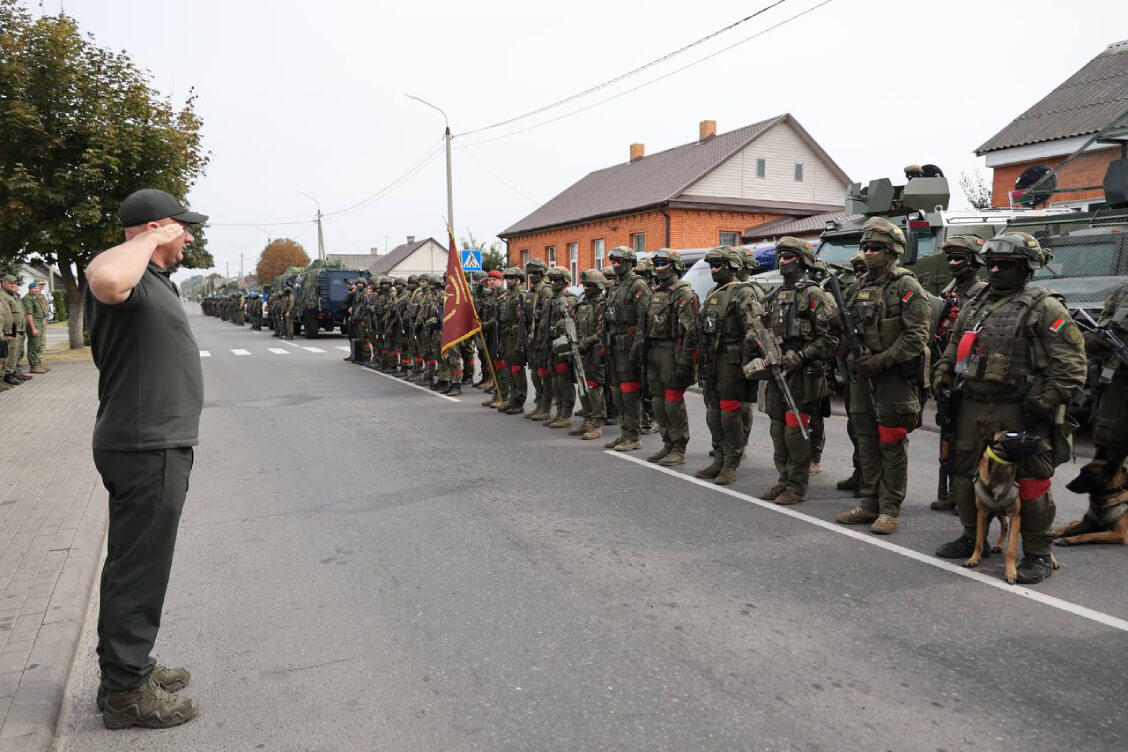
947,408
574,346
1112,339
643,381
853,332
773,356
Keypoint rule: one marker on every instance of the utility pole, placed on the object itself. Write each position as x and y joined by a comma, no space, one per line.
241,275
320,236
446,137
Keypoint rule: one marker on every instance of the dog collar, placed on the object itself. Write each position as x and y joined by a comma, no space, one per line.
996,458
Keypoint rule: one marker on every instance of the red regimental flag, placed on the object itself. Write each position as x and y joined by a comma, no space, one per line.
460,320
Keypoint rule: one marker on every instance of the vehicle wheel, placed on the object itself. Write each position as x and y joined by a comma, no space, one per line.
312,327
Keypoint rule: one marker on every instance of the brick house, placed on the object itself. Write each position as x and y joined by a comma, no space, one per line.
704,193
1060,124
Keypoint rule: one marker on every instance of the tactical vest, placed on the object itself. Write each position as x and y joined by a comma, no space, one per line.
1001,355
721,320
538,300
662,315
511,310
620,312
587,317
878,309
791,313
557,311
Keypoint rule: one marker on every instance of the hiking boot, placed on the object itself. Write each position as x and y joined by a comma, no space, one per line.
673,458
885,524
1034,568
168,679
561,422
583,428
961,548
12,380
628,445
147,706
815,468
943,505
499,403
514,410
712,471
789,497
535,415
491,402
454,390
22,376
444,387
38,369
726,477
848,484
595,432
773,492
856,516
614,442
659,454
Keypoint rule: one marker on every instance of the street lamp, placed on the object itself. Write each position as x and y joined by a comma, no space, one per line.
320,237
447,136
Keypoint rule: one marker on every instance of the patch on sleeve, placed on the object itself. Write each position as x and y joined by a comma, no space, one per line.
908,296
1073,336
815,303
638,294
1057,326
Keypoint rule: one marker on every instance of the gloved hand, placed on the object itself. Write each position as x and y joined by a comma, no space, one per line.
1037,412
756,368
1095,343
942,379
868,365
790,361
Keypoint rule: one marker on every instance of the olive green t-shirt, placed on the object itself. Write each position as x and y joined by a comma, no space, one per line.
150,384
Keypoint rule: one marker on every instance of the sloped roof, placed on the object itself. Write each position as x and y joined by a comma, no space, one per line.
392,259
802,225
1081,106
652,180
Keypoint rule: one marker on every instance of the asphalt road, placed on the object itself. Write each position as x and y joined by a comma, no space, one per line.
365,566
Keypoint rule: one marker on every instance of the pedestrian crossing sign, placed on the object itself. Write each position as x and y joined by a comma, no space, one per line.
472,260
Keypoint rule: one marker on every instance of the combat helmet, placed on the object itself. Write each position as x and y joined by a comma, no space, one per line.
536,266
748,258
667,262
1016,244
593,277
360,281
800,247
881,230
557,273
513,272
970,244
644,266
398,282
622,253
412,279
726,254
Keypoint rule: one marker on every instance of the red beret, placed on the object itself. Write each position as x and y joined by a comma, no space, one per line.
495,274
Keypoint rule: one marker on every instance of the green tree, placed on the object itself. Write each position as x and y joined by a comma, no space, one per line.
278,255
81,129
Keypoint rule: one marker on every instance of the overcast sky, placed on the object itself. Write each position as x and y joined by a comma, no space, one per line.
309,96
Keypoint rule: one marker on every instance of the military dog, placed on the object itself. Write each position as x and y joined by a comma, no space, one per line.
1106,482
996,495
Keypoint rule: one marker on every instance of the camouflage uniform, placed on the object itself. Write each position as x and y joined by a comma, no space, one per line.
589,331
627,303
891,307
514,332
36,306
286,313
561,307
1017,360
539,351
672,340
744,274
1110,415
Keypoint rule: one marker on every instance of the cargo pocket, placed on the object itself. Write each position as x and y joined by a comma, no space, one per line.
1061,441
908,414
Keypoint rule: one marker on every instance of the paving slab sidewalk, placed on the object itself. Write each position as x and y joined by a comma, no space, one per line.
52,527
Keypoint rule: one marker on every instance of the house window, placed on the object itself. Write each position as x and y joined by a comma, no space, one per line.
761,168
551,252
597,252
638,242
799,172
729,238
574,261
524,258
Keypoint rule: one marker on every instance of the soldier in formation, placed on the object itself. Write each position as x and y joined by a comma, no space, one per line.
539,352
589,331
35,336
561,310
15,328
624,317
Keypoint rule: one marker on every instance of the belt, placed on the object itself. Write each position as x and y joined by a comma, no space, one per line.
994,398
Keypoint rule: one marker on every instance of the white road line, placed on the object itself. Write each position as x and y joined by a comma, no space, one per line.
288,343
991,581
240,351
313,349
413,386
344,348
205,354
279,350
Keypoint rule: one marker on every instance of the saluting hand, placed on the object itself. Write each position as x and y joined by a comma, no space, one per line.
165,234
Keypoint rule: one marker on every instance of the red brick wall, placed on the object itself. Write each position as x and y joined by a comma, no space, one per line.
1087,169
689,228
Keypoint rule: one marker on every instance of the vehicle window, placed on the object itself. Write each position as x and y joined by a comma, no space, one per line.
838,250
926,245
1081,257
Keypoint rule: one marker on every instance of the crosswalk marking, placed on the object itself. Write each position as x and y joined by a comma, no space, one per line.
344,348
205,354
313,349
279,350
240,351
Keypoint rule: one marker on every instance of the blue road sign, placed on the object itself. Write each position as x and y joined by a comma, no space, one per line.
472,260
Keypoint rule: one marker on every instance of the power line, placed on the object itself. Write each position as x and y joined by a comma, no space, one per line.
501,180
626,75
647,83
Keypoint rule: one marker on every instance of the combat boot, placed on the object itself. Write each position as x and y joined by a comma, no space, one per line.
454,389
943,505
535,414
168,679
661,453
815,468
490,402
790,497
12,380
727,476
38,369
581,413
147,706
712,471
856,516
21,376
628,445
584,428
595,432
675,457
514,409
614,442
560,422
848,484
961,548
1034,568
774,492
885,524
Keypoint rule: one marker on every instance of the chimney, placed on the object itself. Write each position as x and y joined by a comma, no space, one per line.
706,129
410,239
638,151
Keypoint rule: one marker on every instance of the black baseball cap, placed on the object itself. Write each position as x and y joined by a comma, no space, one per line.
151,204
